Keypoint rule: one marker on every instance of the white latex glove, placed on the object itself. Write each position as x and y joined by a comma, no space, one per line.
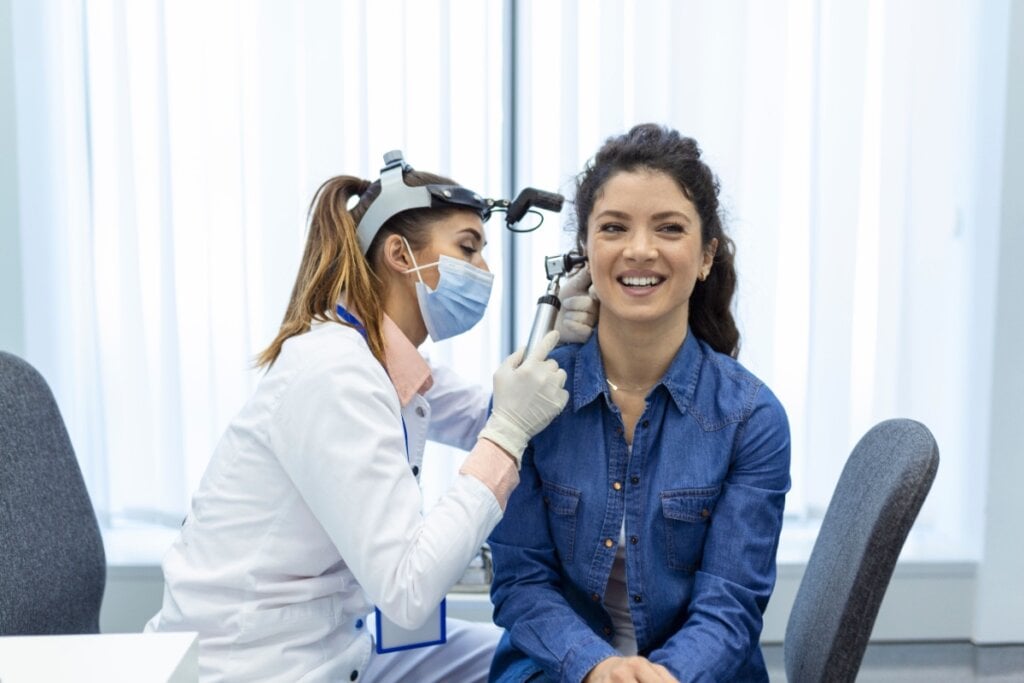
578,315
528,395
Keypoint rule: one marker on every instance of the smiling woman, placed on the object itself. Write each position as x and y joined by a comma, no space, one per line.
647,552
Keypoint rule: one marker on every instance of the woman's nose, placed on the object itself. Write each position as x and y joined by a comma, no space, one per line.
640,246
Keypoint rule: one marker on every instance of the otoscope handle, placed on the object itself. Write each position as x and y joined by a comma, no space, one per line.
531,196
543,320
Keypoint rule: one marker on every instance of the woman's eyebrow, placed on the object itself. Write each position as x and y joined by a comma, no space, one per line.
672,214
612,213
661,215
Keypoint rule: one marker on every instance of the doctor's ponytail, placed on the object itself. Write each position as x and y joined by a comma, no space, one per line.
332,263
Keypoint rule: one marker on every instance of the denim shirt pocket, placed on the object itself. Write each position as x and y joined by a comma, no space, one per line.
561,503
687,513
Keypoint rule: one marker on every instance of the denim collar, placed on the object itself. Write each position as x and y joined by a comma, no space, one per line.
680,380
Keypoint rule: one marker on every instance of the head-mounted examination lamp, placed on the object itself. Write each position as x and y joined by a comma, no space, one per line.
395,197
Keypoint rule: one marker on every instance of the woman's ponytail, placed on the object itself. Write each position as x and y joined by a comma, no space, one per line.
332,263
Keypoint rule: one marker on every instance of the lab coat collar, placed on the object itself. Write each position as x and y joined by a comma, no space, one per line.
409,372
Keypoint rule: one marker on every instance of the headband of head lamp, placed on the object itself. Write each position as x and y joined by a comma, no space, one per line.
395,197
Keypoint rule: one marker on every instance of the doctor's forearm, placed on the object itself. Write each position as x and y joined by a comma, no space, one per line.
495,468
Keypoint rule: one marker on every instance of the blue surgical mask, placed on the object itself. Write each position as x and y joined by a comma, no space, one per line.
460,299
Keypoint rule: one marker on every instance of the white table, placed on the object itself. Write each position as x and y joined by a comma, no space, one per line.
107,657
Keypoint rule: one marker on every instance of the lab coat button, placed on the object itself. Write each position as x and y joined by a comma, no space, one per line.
353,676
359,623
415,471
420,412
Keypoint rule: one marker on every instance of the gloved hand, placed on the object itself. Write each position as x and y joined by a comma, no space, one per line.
578,314
528,395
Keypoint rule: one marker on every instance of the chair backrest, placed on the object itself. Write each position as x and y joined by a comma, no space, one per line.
876,501
52,564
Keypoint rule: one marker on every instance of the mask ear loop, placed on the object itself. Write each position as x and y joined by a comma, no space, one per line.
416,268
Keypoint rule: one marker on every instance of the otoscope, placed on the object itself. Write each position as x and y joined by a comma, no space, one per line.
549,304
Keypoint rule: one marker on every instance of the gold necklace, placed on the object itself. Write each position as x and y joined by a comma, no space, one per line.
616,387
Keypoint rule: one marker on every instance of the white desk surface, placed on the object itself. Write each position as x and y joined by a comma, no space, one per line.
107,657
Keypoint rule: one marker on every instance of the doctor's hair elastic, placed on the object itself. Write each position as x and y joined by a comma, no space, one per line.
657,148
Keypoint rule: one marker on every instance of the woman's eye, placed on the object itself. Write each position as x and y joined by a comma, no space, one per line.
611,227
467,249
673,228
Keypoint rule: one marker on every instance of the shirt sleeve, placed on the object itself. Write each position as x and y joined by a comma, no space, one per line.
528,592
458,409
338,435
737,574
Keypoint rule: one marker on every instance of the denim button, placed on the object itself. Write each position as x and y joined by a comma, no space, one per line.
645,424
608,543
634,540
637,598
595,597
634,480
617,486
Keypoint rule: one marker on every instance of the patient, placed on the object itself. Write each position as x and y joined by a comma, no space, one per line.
640,544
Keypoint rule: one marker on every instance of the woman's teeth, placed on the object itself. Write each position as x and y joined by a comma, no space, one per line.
649,281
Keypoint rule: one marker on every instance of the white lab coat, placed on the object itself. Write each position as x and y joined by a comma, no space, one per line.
309,515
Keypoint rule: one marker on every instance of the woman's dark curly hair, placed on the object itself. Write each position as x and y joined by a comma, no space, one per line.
653,147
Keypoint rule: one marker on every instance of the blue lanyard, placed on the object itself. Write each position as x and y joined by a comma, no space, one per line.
351,320
354,322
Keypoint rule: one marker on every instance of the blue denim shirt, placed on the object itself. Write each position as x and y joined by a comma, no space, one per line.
702,497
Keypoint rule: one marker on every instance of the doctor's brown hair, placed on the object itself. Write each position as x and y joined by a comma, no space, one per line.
652,147
333,263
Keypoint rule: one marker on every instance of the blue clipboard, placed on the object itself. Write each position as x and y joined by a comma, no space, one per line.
393,638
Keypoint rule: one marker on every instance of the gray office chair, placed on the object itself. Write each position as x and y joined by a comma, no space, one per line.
876,501
52,565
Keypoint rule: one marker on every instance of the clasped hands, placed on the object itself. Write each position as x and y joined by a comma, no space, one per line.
629,670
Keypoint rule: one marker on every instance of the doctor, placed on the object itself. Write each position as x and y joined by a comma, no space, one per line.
309,513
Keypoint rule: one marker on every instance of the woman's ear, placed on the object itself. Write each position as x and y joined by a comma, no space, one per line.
709,258
395,255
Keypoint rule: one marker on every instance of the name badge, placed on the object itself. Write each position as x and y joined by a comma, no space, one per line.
393,638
